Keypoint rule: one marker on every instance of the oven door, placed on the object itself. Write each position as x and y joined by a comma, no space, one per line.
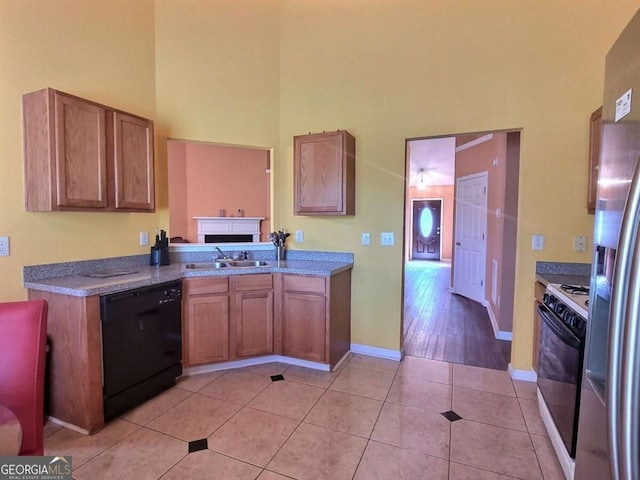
559,374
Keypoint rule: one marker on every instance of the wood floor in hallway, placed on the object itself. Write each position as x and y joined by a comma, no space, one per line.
442,326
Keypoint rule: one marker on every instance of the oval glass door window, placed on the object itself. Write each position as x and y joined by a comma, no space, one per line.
426,222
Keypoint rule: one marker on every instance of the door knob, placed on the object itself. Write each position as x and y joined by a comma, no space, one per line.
458,243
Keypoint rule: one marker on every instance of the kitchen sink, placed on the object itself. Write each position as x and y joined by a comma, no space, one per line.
205,266
226,263
247,263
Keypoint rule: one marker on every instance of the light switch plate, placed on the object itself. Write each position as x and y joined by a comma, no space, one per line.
299,236
144,238
580,243
387,239
366,239
537,242
4,246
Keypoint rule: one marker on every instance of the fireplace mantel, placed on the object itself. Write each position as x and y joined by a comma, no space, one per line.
229,226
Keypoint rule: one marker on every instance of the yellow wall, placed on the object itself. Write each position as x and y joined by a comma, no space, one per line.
103,51
391,70
256,72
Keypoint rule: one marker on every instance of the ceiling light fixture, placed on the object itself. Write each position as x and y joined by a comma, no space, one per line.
421,183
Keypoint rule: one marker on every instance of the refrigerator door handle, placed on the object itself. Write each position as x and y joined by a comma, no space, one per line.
622,419
629,430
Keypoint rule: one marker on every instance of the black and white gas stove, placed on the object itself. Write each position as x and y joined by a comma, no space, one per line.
563,325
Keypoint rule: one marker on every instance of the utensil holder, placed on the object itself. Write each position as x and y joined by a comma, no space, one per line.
159,257
280,254
154,259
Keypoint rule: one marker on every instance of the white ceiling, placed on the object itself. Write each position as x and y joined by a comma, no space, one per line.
436,156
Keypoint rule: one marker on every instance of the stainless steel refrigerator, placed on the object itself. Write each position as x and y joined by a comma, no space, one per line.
609,425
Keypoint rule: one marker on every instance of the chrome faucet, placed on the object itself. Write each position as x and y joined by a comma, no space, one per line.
223,256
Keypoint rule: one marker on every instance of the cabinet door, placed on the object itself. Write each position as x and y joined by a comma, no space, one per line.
133,162
80,153
207,329
324,174
304,326
254,323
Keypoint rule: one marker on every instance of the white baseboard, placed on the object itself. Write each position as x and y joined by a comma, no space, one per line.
500,335
524,375
216,367
69,426
567,463
377,351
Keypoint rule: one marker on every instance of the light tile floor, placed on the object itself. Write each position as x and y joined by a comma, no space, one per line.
373,419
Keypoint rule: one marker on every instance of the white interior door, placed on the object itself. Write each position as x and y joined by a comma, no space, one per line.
471,236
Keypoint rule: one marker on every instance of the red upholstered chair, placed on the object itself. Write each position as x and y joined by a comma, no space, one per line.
23,340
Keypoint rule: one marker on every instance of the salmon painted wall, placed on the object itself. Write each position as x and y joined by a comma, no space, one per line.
177,189
218,177
480,158
433,191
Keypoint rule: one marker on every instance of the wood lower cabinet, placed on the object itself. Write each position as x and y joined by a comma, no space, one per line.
74,361
83,156
227,317
254,315
206,320
316,317
324,173
304,324
240,316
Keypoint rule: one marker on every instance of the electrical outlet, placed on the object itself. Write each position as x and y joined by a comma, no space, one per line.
4,246
366,239
387,239
580,243
299,236
537,242
144,238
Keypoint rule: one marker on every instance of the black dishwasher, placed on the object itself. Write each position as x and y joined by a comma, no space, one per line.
141,344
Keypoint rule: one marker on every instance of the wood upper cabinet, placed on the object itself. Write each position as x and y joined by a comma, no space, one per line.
254,315
133,162
205,336
595,138
83,156
324,167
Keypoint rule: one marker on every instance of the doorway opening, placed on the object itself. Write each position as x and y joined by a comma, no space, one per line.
461,209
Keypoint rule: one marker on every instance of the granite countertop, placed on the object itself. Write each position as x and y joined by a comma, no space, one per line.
567,273
77,283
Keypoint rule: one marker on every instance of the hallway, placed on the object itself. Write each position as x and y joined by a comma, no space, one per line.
442,326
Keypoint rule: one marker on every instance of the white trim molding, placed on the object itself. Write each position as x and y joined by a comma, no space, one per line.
524,375
499,334
567,463
377,352
215,367
473,143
